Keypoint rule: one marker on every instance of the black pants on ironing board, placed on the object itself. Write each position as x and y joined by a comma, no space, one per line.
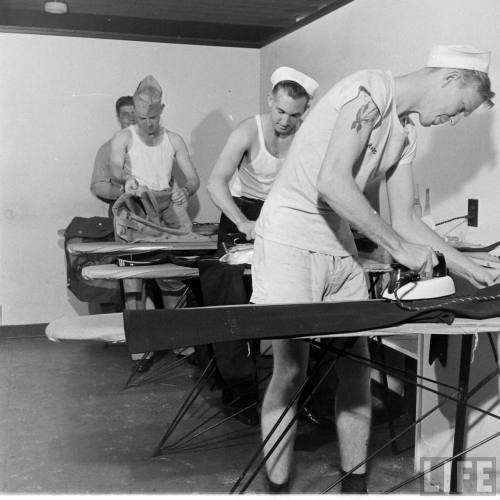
223,284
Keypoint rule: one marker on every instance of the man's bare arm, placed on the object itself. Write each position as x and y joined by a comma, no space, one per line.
237,145
337,186
119,147
407,224
185,164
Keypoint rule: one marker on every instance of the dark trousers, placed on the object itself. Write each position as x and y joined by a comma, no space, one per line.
223,284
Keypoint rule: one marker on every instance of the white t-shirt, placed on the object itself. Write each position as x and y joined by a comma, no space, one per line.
293,213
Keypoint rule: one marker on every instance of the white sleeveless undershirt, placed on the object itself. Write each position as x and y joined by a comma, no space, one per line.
151,165
254,179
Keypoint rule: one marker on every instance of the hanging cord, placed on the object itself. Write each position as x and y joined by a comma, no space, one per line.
457,300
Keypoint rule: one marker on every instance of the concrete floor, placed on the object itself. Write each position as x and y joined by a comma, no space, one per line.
67,426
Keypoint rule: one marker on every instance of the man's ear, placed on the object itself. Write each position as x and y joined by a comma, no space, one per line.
270,100
450,76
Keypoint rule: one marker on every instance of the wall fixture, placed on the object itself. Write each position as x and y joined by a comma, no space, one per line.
56,7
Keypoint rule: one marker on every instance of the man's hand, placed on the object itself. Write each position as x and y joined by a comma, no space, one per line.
131,185
421,258
180,196
481,276
248,229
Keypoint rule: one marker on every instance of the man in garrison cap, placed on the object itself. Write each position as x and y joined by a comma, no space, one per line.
357,134
142,159
239,183
143,154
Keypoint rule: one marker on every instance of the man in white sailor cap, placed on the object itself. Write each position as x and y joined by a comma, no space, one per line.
358,133
256,149
239,183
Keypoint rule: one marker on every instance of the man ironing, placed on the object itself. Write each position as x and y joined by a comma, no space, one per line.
143,155
255,151
358,133
239,183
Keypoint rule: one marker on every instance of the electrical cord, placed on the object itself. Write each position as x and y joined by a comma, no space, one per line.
451,220
456,300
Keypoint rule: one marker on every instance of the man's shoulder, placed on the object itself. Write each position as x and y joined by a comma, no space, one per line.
367,78
123,136
247,130
377,84
175,139
103,148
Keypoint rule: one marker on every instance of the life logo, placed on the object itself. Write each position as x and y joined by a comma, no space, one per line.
476,475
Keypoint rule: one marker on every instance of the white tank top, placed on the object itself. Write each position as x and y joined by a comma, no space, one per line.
151,165
254,179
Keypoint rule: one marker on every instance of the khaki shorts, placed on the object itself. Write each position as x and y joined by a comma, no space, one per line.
283,274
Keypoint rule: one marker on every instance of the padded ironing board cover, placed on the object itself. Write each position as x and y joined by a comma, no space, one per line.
114,272
221,323
103,327
111,247
114,248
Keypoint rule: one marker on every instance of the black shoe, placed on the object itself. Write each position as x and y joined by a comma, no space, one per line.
277,489
353,483
143,365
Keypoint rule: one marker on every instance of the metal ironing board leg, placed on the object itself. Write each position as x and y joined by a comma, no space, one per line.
158,369
461,410
135,369
460,398
385,397
187,403
294,398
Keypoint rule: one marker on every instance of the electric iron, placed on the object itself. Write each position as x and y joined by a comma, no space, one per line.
239,252
405,284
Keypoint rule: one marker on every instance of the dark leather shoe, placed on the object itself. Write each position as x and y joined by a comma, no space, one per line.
277,489
143,365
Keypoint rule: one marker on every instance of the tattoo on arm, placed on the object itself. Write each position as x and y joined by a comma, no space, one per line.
364,114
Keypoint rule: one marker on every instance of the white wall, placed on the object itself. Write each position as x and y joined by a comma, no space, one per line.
57,98
455,163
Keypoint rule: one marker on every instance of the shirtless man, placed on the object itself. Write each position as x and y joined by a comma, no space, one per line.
101,183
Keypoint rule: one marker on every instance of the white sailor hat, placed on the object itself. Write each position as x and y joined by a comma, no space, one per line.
460,57
284,73
147,97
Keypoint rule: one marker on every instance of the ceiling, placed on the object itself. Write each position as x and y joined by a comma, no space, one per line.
242,23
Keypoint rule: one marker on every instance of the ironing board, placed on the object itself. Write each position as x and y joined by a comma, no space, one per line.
115,272
220,323
116,248
96,327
